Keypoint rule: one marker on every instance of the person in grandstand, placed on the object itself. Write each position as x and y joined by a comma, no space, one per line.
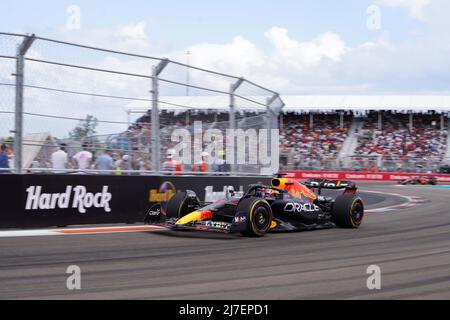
60,159
4,160
105,162
171,164
83,158
124,164
140,162
202,166
221,162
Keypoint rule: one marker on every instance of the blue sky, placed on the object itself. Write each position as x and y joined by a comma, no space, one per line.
177,23
292,46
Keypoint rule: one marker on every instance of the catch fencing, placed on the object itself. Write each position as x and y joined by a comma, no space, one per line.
49,87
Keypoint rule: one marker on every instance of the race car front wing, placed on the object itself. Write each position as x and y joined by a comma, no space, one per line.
206,226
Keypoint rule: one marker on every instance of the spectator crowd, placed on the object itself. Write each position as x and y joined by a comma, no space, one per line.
398,145
306,143
107,161
312,144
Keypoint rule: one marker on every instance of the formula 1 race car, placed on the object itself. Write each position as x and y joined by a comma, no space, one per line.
419,181
286,205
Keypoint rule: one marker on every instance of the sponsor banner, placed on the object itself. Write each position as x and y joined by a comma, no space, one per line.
362,176
40,201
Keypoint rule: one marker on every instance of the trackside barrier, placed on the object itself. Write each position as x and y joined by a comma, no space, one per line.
362,176
41,201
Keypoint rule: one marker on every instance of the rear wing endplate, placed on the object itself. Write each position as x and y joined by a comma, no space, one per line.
348,186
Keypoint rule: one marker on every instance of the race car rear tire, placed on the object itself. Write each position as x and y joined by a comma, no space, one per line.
177,207
259,216
348,211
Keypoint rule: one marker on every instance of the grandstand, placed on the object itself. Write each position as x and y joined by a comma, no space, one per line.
397,144
358,133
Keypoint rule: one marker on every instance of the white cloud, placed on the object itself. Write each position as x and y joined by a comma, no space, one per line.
309,53
281,69
240,55
129,37
414,7
134,31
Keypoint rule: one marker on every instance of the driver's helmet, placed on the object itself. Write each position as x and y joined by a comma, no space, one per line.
266,193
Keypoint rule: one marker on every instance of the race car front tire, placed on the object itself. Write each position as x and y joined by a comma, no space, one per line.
178,206
348,211
259,216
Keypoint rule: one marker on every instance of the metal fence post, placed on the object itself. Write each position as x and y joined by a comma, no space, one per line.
274,112
156,145
18,128
274,116
411,121
232,112
233,89
380,121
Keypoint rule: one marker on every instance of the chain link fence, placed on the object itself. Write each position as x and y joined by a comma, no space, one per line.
55,93
105,101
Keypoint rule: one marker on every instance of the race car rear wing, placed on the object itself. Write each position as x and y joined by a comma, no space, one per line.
348,186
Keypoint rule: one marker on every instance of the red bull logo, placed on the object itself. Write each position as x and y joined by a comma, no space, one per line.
305,191
294,187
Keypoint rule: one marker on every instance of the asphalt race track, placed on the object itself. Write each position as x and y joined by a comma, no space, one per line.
410,245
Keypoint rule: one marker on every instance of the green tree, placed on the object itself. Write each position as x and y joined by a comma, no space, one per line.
8,140
84,129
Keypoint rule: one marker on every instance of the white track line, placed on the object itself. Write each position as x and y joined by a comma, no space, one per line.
410,201
27,233
77,231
